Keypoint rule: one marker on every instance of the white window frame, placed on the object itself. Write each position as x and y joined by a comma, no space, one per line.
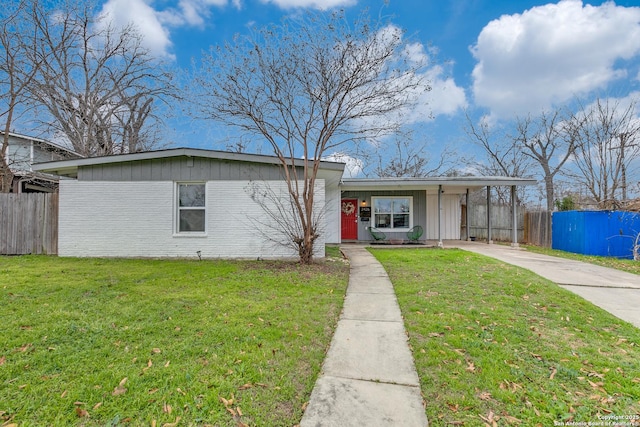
391,228
179,208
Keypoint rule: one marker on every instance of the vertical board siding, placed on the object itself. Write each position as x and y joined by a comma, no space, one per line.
181,169
28,224
137,219
451,217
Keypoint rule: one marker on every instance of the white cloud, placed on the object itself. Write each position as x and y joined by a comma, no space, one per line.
551,53
154,24
194,12
316,4
353,166
124,12
445,96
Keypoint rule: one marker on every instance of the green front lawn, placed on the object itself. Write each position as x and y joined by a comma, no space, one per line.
495,344
147,342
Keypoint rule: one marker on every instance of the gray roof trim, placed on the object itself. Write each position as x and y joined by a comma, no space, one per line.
70,167
457,181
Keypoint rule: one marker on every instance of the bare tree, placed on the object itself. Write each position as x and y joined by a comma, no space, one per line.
16,75
504,156
550,142
99,85
413,160
608,135
307,87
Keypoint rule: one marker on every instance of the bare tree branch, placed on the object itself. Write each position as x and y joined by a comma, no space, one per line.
504,156
608,135
99,85
549,141
17,72
413,161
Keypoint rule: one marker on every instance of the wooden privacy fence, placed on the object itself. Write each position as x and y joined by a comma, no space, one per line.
28,224
501,218
537,228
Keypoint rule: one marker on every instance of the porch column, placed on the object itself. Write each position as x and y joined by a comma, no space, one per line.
440,244
466,216
514,218
489,237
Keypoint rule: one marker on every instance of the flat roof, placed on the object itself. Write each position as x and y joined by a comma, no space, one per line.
70,167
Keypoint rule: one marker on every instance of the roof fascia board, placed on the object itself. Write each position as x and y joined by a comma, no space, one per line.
356,184
69,165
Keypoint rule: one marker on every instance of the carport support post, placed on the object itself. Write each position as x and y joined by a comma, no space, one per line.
440,244
514,218
489,241
466,216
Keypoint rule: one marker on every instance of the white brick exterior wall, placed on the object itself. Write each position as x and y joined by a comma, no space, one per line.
137,219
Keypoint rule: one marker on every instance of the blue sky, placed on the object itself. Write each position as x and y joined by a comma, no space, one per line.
493,58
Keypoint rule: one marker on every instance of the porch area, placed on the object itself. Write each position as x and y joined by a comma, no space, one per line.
416,210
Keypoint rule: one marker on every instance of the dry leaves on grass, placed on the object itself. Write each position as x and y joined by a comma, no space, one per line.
81,413
228,404
511,386
485,395
236,412
491,419
173,424
120,389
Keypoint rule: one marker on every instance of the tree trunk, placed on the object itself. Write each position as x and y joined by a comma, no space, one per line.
548,181
306,248
6,177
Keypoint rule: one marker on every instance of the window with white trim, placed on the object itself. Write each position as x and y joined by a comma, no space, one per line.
393,213
191,215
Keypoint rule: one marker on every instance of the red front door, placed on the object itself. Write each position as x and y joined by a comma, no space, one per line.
349,219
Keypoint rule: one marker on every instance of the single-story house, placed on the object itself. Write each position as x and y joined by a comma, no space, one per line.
22,152
187,202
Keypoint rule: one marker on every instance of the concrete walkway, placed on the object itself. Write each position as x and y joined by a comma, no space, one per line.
613,290
368,377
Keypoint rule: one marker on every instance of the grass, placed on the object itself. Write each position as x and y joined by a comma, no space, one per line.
98,342
627,265
497,345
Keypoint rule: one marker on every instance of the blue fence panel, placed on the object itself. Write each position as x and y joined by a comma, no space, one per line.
567,231
603,233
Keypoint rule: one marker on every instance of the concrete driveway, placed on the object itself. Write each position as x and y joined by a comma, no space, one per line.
612,290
